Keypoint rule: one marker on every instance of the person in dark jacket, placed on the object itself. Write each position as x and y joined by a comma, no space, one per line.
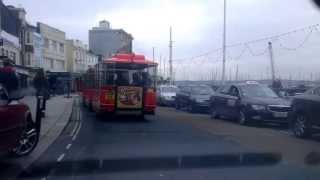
41,84
8,77
52,84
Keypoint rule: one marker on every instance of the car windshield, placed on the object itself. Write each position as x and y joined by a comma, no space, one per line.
160,89
258,91
201,90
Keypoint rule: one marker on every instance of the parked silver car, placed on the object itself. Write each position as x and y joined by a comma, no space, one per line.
166,95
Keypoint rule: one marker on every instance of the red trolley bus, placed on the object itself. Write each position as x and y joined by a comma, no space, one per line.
123,84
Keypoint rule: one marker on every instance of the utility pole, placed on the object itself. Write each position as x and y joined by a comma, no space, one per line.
160,62
237,73
170,57
223,77
216,75
164,68
271,61
153,54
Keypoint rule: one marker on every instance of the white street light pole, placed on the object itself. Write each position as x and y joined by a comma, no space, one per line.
170,58
153,54
273,73
223,77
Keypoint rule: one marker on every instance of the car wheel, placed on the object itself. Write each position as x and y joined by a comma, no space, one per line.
300,126
141,117
191,108
28,140
213,113
242,119
177,105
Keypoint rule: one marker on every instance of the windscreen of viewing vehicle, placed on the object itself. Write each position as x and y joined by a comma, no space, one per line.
160,89
258,91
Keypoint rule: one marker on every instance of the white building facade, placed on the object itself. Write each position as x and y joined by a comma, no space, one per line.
79,58
54,53
38,60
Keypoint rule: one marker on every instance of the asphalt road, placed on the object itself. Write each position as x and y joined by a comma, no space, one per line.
175,145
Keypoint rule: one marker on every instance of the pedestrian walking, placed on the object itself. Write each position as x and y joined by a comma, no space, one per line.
42,87
52,85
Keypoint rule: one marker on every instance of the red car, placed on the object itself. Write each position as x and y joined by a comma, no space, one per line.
18,134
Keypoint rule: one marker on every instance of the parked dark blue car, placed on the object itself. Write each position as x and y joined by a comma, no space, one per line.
248,102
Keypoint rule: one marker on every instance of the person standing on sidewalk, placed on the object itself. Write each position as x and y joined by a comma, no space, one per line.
42,87
8,77
52,85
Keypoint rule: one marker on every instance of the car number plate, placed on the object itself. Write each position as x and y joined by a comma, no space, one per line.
280,114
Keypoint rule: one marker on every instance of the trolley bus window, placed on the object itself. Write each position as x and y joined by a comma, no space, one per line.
122,78
129,78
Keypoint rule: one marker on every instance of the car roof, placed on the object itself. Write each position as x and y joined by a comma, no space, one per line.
167,86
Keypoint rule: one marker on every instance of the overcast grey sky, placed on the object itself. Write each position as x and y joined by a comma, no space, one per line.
197,28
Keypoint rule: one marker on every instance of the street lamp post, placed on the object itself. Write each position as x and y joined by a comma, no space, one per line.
153,48
223,77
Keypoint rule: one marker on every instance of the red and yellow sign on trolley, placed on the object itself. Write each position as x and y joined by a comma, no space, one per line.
129,97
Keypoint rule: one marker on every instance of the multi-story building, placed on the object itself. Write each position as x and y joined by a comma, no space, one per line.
54,54
106,41
10,26
19,41
33,51
92,59
38,60
79,58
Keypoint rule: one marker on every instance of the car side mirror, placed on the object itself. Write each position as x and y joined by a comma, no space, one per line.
15,95
237,96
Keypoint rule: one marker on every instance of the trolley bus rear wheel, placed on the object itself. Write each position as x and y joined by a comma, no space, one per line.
141,117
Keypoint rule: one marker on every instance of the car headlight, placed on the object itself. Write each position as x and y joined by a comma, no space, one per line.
258,107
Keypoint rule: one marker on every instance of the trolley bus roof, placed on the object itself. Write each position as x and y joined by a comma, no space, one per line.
130,59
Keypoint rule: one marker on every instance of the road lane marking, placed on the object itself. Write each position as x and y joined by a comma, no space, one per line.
60,157
285,132
78,130
68,146
74,129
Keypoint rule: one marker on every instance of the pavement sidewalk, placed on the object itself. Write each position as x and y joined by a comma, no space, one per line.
58,112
